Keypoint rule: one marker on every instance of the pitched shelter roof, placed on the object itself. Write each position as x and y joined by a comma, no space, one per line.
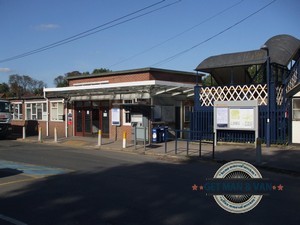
282,49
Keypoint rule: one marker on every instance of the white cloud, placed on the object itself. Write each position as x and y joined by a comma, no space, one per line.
49,26
5,70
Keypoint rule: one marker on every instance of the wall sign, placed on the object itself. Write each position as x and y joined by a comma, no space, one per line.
222,117
116,118
70,118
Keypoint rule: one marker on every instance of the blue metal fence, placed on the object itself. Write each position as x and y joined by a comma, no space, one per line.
202,121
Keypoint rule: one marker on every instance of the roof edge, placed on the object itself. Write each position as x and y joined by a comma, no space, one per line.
132,71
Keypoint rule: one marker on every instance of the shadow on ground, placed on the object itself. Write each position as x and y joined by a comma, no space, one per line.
7,172
139,194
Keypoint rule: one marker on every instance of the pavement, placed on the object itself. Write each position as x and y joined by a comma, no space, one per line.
277,158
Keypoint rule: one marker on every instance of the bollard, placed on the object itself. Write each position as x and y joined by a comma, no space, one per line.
258,151
166,139
200,146
24,132
55,135
124,139
40,134
145,138
176,137
99,138
134,141
187,146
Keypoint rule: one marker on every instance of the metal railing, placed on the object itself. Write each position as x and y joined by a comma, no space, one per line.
189,137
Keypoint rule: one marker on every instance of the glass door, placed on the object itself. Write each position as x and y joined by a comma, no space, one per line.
105,121
95,121
83,120
79,122
87,122
91,117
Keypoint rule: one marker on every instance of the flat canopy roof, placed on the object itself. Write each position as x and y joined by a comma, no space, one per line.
114,90
282,49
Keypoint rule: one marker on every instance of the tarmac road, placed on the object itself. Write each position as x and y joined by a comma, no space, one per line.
59,185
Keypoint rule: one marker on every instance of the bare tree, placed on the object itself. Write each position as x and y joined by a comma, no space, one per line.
25,85
61,81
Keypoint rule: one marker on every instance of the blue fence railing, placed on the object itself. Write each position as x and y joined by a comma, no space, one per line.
202,121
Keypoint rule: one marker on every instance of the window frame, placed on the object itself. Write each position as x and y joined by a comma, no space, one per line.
187,113
295,109
58,114
19,115
124,112
34,107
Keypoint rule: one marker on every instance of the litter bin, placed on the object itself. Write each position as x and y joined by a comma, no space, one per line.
163,132
31,127
156,138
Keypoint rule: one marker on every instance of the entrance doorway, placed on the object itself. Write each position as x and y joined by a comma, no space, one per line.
90,117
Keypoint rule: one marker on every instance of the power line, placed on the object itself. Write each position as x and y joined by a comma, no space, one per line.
69,39
177,35
95,30
212,37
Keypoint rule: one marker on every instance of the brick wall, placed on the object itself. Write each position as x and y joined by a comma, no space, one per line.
114,78
173,77
60,128
120,130
153,75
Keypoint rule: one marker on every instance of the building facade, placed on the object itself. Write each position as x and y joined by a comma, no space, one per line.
112,102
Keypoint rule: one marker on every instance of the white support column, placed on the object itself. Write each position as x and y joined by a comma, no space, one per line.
40,139
24,132
55,135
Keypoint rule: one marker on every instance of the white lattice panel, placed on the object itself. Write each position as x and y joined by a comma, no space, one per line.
234,93
279,95
292,82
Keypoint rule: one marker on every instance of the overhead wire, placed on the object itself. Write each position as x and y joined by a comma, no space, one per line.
212,37
94,30
177,35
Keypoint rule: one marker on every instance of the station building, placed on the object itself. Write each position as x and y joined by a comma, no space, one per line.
112,102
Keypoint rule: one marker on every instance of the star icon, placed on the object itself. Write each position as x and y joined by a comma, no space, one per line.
194,187
274,187
280,187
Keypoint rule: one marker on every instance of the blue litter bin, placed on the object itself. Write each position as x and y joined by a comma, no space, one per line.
163,132
156,138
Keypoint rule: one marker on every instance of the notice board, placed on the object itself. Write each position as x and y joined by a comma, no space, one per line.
236,115
116,118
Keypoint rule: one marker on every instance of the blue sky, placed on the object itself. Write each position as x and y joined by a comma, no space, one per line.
31,24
